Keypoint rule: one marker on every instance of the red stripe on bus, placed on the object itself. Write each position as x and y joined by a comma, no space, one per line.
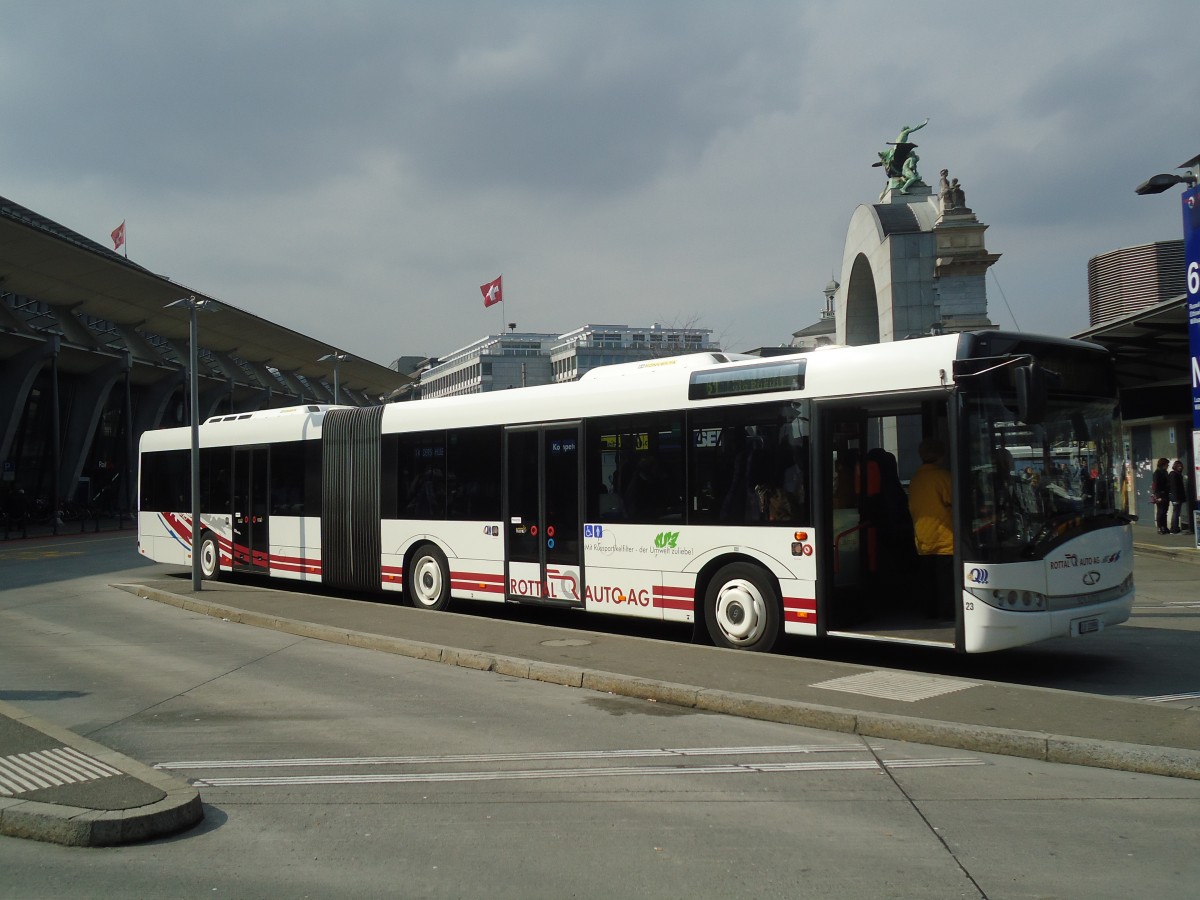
676,591
280,560
483,586
799,609
291,564
680,598
487,582
178,526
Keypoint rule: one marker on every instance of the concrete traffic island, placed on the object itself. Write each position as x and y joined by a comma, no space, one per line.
59,787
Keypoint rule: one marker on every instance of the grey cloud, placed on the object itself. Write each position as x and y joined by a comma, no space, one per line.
224,97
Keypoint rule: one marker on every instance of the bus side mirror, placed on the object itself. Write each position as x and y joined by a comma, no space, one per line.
1029,381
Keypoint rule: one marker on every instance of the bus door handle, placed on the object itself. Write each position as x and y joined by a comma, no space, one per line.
837,539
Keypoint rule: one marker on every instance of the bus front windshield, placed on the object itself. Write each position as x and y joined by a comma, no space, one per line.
1033,486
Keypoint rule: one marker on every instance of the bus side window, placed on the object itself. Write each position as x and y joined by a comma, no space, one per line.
473,473
636,469
288,479
749,465
602,464
422,475
166,484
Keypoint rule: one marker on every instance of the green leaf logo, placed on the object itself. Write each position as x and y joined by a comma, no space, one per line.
666,540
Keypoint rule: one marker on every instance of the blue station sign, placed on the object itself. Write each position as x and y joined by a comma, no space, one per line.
1191,255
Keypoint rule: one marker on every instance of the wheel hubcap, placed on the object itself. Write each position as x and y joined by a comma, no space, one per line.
741,612
208,560
428,585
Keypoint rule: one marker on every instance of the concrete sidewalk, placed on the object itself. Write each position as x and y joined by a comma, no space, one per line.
1182,547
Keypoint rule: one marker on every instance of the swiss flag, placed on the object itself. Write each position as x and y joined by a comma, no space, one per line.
492,292
118,236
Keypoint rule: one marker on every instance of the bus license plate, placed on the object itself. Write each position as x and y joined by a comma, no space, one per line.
1086,626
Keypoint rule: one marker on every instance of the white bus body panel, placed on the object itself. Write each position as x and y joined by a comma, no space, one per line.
474,553
295,548
650,571
1087,583
165,538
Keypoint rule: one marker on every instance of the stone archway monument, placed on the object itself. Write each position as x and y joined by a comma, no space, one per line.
914,262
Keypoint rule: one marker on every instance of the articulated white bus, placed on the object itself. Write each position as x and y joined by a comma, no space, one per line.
747,497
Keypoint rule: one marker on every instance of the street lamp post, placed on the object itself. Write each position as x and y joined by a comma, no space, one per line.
193,305
1156,184
337,361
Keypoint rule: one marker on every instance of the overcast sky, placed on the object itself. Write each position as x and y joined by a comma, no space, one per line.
355,170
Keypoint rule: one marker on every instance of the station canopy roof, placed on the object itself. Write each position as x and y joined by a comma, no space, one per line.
43,260
1149,346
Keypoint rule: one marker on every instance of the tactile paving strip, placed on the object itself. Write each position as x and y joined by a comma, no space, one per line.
25,772
896,685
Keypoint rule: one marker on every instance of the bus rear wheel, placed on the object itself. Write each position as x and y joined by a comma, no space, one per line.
742,608
429,579
210,557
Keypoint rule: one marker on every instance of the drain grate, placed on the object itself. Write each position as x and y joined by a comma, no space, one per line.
25,772
896,685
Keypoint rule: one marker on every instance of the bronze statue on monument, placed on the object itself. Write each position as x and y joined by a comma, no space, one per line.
899,162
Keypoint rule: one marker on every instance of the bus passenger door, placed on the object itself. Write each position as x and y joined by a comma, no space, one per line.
542,514
847,551
250,486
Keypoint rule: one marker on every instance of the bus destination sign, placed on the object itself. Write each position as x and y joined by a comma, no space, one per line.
762,379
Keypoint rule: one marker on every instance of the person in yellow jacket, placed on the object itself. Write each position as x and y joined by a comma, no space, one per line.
929,501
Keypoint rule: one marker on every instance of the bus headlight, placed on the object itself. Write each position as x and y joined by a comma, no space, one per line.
1011,600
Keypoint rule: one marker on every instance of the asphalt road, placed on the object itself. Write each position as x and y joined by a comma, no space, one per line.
332,771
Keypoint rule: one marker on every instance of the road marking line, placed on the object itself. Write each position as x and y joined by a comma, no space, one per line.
504,757
595,772
1167,698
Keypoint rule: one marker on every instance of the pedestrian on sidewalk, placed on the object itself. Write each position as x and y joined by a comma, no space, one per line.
1160,494
1178,494
18,512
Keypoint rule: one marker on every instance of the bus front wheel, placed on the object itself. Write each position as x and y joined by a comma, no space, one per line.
210,557
742,608
429,580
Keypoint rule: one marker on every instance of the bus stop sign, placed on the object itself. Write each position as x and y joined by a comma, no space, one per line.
1191,259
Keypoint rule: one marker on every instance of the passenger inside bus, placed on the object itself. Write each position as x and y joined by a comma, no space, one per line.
892,559
647,496
929,502
741,503
845,480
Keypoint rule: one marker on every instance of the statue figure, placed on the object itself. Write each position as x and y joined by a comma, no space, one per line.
906,130
960,197
909,174
893,158
945,193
